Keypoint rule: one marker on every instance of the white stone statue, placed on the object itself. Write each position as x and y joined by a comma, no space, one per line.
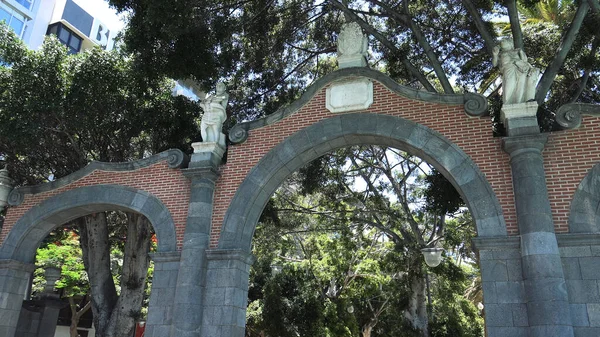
353,46
214,107
519,78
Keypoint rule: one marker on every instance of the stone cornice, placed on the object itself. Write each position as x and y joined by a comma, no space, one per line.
230,254
175,159
514,242
567,240
17,265
522,144
165,256
569,115
496,242
474,104
207,172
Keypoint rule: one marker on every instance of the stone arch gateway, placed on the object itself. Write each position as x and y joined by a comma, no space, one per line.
539,266
36,224
358,129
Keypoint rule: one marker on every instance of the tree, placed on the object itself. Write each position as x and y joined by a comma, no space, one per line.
57,113
353,224
65,253
273,49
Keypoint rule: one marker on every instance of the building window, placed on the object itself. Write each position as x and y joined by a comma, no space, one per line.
13,19
66,36
28,4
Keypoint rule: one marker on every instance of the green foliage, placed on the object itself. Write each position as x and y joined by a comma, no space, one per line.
269,51
454,314
59,111
336,255
66,255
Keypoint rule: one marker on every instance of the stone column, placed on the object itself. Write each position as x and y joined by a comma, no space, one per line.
14,278
545,288
203,173
51,305
504,297
160,308
226,295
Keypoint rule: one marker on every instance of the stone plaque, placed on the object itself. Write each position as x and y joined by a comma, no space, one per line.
350,95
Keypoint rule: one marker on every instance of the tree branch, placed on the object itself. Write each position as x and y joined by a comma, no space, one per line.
369,29
487,37
567,41
515,24
587,71
408,22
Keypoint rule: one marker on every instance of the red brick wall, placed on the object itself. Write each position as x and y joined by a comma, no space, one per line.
472,135
168,185
568,156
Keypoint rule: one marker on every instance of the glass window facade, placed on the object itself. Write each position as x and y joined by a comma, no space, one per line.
13,18
66,36
28,4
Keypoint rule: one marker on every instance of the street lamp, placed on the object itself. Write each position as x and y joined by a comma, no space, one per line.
433,258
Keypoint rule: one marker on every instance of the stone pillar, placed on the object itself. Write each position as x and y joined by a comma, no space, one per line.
504,297
50,305
203,173
14,279
545,288
226,295
160,308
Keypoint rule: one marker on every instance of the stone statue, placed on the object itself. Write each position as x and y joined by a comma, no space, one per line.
214,107
519,78
352,46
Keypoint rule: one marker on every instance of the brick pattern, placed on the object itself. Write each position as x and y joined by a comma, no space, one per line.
565,164
168,185
568,157
472,135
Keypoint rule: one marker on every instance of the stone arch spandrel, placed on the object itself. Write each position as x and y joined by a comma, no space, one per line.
27,233
353,129
584,214
159,175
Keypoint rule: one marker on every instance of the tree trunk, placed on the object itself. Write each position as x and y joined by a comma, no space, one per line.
417,306
93,231
133,279
76,315
368,328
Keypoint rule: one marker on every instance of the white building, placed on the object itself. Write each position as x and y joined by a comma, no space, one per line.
76,23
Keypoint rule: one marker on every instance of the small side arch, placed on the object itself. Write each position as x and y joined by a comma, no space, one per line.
584,217
354,129
28,232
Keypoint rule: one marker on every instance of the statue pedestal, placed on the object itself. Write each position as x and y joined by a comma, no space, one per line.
206,153
520,118
348,61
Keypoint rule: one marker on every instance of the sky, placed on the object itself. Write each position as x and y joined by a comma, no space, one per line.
101,10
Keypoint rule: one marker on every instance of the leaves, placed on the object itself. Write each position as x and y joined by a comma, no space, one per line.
60,111
270,51
338,249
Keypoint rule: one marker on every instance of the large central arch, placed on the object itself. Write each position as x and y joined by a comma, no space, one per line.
353,129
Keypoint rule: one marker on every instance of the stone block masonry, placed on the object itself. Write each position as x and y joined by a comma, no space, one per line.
206,213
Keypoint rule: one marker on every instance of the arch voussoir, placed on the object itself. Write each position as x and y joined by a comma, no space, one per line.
24,238
354,129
